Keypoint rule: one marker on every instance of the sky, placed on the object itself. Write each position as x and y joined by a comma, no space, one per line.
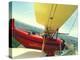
74,31
24,12
70,26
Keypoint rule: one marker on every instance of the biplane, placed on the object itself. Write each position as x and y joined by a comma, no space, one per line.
52,17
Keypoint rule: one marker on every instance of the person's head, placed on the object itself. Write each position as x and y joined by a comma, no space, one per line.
33,33
63,41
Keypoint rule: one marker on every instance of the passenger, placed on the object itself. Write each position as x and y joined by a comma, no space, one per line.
33,33
63,45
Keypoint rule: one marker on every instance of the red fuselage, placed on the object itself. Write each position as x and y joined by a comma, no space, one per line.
35,41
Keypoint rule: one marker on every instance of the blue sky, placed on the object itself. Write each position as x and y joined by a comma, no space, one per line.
70,26
74,30
24,12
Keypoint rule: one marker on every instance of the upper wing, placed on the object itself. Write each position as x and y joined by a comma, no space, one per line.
61,14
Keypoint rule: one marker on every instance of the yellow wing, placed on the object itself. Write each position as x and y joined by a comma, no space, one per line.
59,14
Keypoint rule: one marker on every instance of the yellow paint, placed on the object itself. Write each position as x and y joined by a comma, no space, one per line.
62,13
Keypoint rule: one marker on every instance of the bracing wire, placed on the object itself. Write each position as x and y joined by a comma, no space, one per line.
43,44
51,10
73,23
69,31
